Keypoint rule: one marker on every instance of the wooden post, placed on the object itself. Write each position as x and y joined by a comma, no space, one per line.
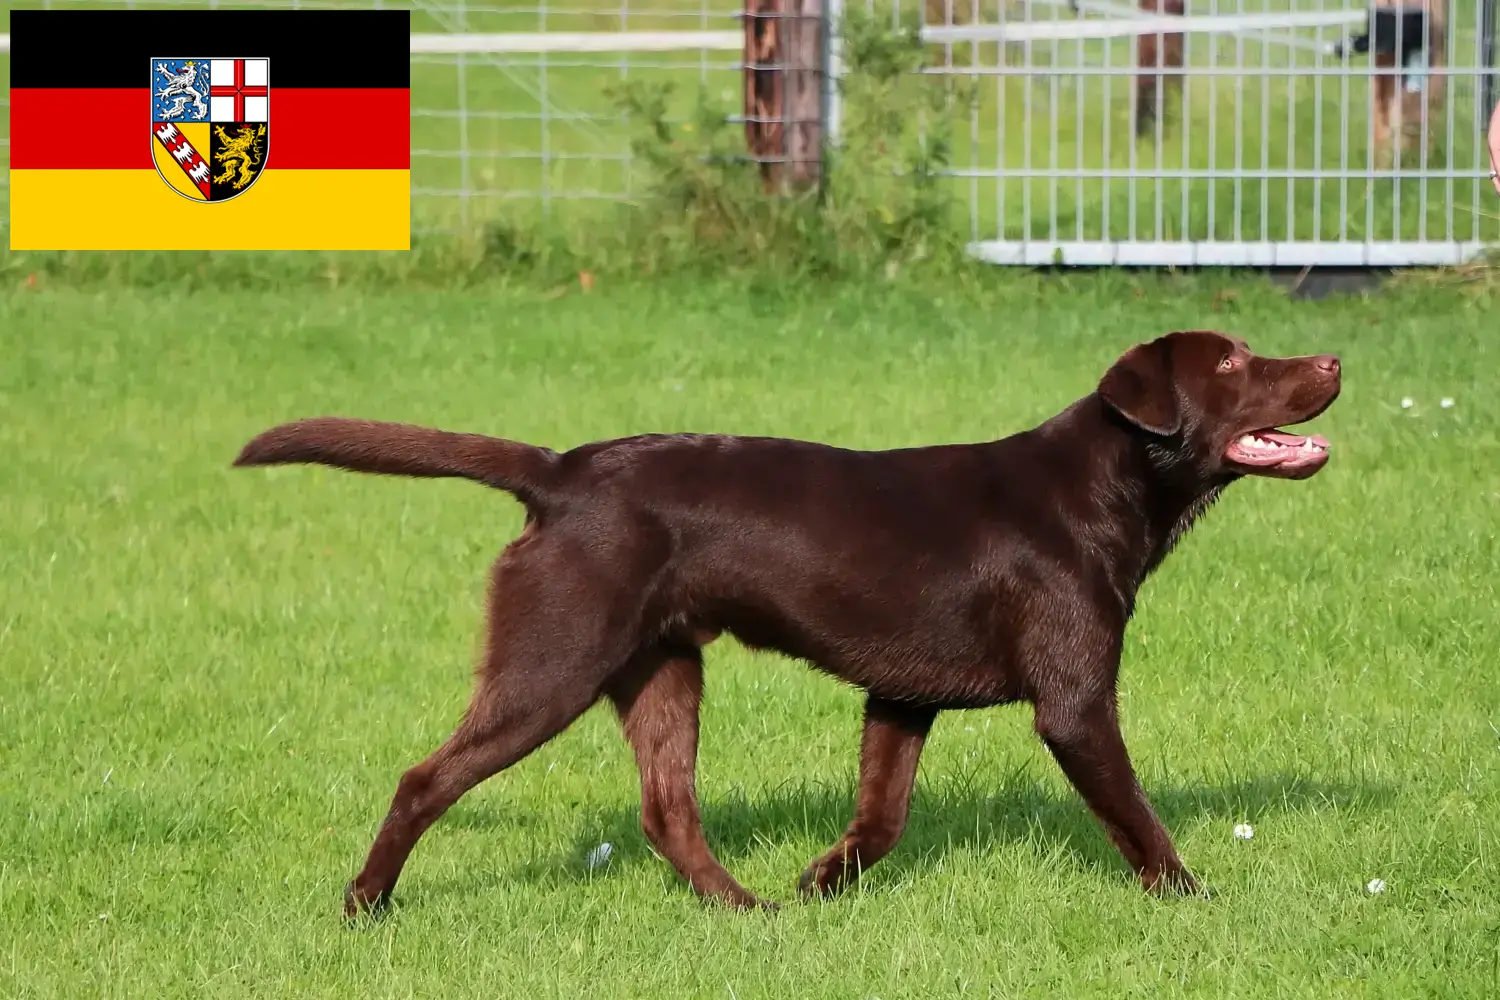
804,93
784,90
1487,33
763,103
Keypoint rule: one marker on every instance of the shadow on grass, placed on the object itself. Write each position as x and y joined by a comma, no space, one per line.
944,820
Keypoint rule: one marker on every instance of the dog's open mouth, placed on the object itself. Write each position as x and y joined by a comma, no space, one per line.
1277,453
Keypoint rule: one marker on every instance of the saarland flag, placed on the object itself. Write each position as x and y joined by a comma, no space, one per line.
210,130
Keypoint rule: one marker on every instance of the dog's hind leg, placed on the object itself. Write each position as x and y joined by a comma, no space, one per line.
558,628
657,697
892,743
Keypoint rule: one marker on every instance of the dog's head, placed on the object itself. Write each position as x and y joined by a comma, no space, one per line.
1206,394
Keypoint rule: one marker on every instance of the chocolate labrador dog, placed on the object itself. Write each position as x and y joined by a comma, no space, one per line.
948,577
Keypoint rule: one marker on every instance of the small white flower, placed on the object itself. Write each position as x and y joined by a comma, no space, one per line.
599,856
1447,401
1405,402
1375,885
1243,831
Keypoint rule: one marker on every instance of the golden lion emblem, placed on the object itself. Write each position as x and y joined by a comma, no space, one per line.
240,151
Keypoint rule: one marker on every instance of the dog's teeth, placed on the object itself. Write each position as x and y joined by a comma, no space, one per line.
1248,441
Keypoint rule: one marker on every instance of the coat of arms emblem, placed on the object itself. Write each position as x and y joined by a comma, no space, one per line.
210,122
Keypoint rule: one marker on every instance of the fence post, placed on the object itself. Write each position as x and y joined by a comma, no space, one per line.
1487,59
763,106
833,64
784,92
804,93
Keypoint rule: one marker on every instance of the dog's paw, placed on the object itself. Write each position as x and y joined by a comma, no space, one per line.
822,880
357,904
1172,883
743,899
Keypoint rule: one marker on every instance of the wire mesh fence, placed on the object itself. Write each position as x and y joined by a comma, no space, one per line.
521,133
1259,136
1242,132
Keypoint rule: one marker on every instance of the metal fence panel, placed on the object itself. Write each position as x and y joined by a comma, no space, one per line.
516,134
1267,149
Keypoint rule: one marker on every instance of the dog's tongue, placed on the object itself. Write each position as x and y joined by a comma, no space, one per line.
1292,440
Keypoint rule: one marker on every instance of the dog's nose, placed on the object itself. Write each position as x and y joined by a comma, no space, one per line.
1328,363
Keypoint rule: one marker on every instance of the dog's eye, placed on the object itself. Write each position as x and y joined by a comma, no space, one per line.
1228,364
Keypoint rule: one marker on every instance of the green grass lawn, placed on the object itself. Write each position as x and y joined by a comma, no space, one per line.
212,679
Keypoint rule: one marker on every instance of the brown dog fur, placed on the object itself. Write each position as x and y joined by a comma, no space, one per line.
945,577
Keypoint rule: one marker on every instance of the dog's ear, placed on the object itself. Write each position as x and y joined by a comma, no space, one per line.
1140,388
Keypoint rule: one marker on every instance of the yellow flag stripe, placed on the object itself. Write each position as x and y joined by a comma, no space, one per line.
285,210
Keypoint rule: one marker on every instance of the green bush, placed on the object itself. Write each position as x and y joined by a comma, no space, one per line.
880,206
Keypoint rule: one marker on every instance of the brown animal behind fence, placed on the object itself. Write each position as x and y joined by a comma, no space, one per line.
1158,52
1404,115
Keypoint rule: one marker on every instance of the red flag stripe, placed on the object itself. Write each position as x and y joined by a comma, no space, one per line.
347,129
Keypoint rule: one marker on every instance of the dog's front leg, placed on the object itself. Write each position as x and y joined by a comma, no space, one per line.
1083,733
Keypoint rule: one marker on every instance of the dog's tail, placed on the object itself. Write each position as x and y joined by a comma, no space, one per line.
524,470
